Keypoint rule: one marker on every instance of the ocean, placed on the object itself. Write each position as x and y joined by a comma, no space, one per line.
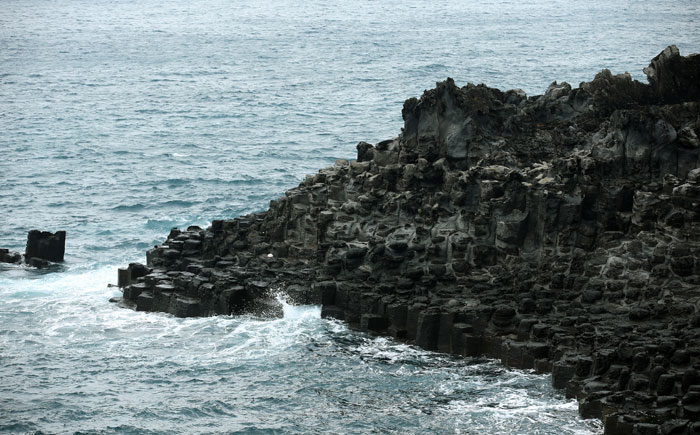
122,119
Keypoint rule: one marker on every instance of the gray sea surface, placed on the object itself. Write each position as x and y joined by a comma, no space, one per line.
121,119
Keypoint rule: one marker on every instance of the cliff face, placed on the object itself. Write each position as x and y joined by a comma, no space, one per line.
559,232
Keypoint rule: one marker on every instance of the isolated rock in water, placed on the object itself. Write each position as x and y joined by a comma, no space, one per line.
43,245
6,256
558,232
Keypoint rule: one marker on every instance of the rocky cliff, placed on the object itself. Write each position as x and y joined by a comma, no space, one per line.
559,233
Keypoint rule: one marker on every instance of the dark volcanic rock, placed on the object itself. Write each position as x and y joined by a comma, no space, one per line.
43,245
558,232
42,248
6,256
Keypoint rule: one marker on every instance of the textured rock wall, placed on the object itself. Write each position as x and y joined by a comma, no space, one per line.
558,232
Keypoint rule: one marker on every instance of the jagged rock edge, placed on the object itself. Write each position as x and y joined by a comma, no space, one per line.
558,233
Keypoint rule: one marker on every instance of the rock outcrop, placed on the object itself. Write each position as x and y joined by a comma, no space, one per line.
559,233
42,249
7,256
43,246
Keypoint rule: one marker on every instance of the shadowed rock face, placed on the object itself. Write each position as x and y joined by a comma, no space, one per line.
42,248
45,246
558,232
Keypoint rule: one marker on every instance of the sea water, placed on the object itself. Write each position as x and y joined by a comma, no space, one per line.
121,119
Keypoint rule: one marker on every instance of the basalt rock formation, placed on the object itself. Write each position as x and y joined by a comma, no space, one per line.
42,248
559,233
7,256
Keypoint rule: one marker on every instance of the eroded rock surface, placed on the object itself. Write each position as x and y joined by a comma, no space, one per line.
559,233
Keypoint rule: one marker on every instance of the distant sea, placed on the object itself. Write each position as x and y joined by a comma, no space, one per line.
122,119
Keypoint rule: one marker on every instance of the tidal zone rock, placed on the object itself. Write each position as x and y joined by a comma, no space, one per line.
42,249
7,256
558,232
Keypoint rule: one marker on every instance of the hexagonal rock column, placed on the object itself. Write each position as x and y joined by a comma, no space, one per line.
45,246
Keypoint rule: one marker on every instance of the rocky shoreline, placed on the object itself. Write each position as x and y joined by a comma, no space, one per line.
559,233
